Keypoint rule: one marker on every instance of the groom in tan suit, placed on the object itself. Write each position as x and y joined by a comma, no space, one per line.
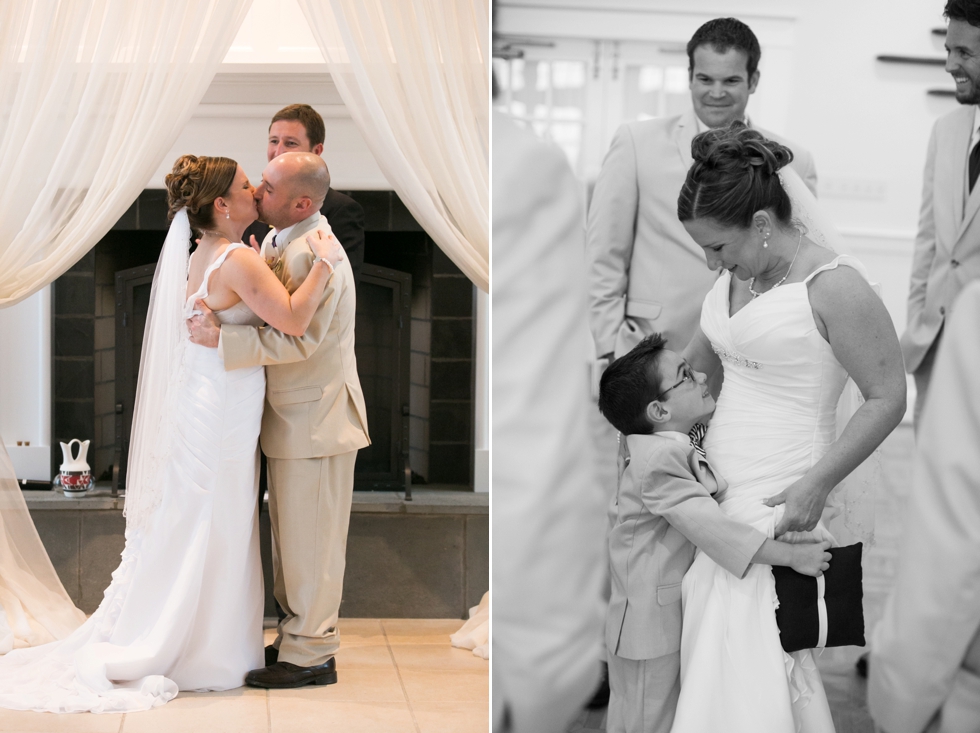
646,273
312,427
947,247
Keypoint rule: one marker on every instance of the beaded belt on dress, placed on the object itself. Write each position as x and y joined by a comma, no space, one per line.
735,358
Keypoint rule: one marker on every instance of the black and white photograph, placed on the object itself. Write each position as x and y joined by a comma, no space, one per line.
735,403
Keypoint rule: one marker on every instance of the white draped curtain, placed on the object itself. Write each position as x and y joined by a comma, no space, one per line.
415,77
93,94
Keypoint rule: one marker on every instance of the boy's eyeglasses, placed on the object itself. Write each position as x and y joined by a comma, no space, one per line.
688,377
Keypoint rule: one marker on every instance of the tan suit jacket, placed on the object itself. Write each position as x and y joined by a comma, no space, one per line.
646,273
314,404
665,508
548,523
947,247
925,654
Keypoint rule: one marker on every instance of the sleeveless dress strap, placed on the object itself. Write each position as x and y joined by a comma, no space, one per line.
202,292
847,259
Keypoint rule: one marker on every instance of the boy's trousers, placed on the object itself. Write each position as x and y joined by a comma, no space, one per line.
643,694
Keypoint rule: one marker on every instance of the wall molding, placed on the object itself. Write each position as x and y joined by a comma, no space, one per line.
263,111
890,242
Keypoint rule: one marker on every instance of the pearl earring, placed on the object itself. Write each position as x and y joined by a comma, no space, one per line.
228,215
765,241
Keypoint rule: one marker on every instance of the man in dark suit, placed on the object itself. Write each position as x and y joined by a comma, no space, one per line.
298,128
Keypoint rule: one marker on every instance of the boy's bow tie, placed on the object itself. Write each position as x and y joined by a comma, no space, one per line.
696,434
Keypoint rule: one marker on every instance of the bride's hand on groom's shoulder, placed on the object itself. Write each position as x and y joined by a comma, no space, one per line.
804,506
205,329
326,246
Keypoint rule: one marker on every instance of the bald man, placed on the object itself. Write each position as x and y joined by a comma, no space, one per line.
312,427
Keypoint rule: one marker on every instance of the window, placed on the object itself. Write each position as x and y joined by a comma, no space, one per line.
577,93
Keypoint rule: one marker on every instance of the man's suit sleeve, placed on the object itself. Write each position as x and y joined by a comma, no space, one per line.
244,346
670,491
925,239
610,233
933,611
347,223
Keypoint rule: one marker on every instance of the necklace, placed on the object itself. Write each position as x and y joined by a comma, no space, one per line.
752,281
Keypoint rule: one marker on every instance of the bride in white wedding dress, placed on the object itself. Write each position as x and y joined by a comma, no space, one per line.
184,609
789,321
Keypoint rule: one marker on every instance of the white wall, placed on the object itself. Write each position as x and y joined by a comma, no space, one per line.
25,385
233,120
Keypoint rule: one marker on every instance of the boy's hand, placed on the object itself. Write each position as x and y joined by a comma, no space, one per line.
812,558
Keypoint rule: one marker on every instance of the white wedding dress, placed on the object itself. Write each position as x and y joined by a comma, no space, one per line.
775,418
184,609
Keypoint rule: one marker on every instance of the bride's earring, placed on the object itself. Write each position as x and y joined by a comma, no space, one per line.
227,215
765,241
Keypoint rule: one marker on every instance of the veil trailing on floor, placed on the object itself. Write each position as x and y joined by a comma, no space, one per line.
161,374
34,606
850,510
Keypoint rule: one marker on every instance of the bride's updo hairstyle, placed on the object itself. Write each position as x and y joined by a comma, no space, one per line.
733,176
194,183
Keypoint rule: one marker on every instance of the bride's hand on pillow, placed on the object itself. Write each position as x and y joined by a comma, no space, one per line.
804,502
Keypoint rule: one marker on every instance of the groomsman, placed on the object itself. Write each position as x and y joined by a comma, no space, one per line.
947,247
547,511
299,128
925,674
646,273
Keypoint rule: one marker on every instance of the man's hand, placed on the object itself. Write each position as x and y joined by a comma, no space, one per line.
256,245
804,506
205,328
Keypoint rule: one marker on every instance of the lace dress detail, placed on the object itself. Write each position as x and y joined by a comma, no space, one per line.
184,608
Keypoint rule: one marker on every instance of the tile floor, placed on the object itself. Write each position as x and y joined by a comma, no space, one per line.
395,676
846,691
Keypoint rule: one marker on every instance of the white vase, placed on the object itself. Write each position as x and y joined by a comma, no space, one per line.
76,476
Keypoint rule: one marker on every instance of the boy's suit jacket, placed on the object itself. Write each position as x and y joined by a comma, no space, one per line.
646,274
947,246
665,504
314,405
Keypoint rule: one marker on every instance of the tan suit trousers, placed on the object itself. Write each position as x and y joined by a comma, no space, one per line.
309,509
643,694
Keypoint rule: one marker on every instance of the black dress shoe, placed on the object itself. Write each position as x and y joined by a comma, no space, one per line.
271,655
283,675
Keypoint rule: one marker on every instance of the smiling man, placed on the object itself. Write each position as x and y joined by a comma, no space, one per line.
299,128
947,247
646,273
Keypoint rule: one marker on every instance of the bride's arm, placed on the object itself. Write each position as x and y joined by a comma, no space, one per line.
250,278
856,324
